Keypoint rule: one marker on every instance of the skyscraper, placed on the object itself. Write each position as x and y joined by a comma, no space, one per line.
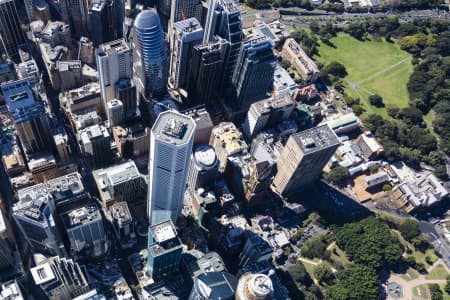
224,20
253,75
150,55
60,278
185,35
266,114
28,114
206,67
106,20
6,251
11,34
78,10
214,285
84,227
171,141
164,249
96,145
203,168
254,287
185,9
302,160
114,64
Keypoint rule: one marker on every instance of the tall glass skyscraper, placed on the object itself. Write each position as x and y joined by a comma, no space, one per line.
150,54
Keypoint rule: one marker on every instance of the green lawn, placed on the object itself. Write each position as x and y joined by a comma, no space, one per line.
367,64
339,256
446,296
424,291
439,272
410,274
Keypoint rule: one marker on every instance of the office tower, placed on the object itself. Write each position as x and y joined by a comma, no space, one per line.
255,250
29,9
132,141
203,124
214,285
84,228
267,114
254,287
302,160
205,75
164,7
224,20
95,145
185,35
8,70
150,55
69,74
11,34
123,224
126,92
118,183
203,168
227,140
6,250
164,249
60,278
98,22
78,10
115,112
29,116
253,76
171,142
114,64
36,215
185,9
42,11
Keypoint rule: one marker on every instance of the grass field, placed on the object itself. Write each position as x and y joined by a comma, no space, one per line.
439,272
373,67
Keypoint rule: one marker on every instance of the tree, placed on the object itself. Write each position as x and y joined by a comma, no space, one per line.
357,109
354,283
324,274
314,26
338,176
387,187
392,110
411,115
299,274
376,100
447,287
409,229
285,64
336,69
436,292
315,247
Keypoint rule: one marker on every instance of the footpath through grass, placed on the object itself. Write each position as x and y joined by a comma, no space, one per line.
373,67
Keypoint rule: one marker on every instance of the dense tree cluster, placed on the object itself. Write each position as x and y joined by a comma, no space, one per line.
338,176
315,247
307,42
369,242
436,292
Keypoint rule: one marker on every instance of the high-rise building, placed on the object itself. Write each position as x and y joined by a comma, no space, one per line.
203,168
266,114
150,55
114,64
11,34
84,227
29,116
86,51
115,112
106,20
253,76
185,35
95,145
254,287
60,278
98,29
164,7
171,141
119,183
205,75
185,9
123,224
132,141
214,285
36,214
10,290
78,11
300,60
29,9
302,160
203,124
224,20
6,250
126,92
164,249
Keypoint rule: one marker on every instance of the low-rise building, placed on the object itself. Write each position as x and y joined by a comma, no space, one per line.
300,60
227,140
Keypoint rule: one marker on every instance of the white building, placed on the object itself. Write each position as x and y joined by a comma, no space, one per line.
171,141
113,63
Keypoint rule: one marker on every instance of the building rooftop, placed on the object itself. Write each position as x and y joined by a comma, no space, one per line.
173,127
316,139
205,155
86,135
80,216
79,94
267,105
230,6
10,291
283,82
120,212
42,273
231,138
188,25
117,46
65,66
147,19
165,238
117,174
